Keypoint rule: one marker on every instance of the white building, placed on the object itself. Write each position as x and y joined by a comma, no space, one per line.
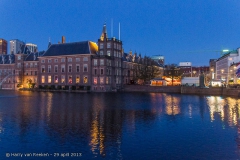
223,64
15,46
32,47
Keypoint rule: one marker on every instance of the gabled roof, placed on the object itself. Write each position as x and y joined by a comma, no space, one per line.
84,47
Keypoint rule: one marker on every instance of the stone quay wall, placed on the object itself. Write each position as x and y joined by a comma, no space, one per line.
219,91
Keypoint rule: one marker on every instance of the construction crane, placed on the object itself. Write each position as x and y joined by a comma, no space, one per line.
222,52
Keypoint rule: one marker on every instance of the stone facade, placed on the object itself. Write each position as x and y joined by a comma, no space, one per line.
82,65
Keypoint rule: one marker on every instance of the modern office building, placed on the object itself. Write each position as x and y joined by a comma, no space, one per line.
223,64
32,47
15,46
3,46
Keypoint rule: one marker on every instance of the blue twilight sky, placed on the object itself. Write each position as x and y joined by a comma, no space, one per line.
171,28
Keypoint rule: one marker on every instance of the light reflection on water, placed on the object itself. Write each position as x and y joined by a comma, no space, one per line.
121,125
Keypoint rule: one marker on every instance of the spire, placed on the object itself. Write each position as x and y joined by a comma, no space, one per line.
104,32
49,43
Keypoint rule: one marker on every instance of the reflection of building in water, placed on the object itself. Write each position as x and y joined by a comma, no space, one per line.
172,105
227,108
216,105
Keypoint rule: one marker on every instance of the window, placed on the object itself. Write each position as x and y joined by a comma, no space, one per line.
77,59
35,64
101,52
70,68
77,79
78,68
114,53
85,79
85,68
95,62
43,79
55,68
115,46
56,79
49,79
101,71
109,80
43,61
109,53
95,71
106,80
101,45
63,60
56,60
49,61
85,59
31,65
63,78
95,80
101,62
63,68
35,72
101,80
108,45
49,68
69,79
69,59
43,69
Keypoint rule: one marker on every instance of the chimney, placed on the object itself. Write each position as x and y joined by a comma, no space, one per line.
63,39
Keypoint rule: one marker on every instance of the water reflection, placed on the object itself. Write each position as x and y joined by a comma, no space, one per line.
172,105
106,125
227,108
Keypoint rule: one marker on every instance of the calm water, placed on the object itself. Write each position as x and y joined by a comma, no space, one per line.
118,126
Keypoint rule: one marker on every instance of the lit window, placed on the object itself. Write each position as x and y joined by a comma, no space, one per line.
85,79
106,80
56,79
43,79
49,79
77,79
95,80
63,78
69,79
101,80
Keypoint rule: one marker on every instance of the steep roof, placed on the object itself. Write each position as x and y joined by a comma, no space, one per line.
34,56
84,47
7,59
